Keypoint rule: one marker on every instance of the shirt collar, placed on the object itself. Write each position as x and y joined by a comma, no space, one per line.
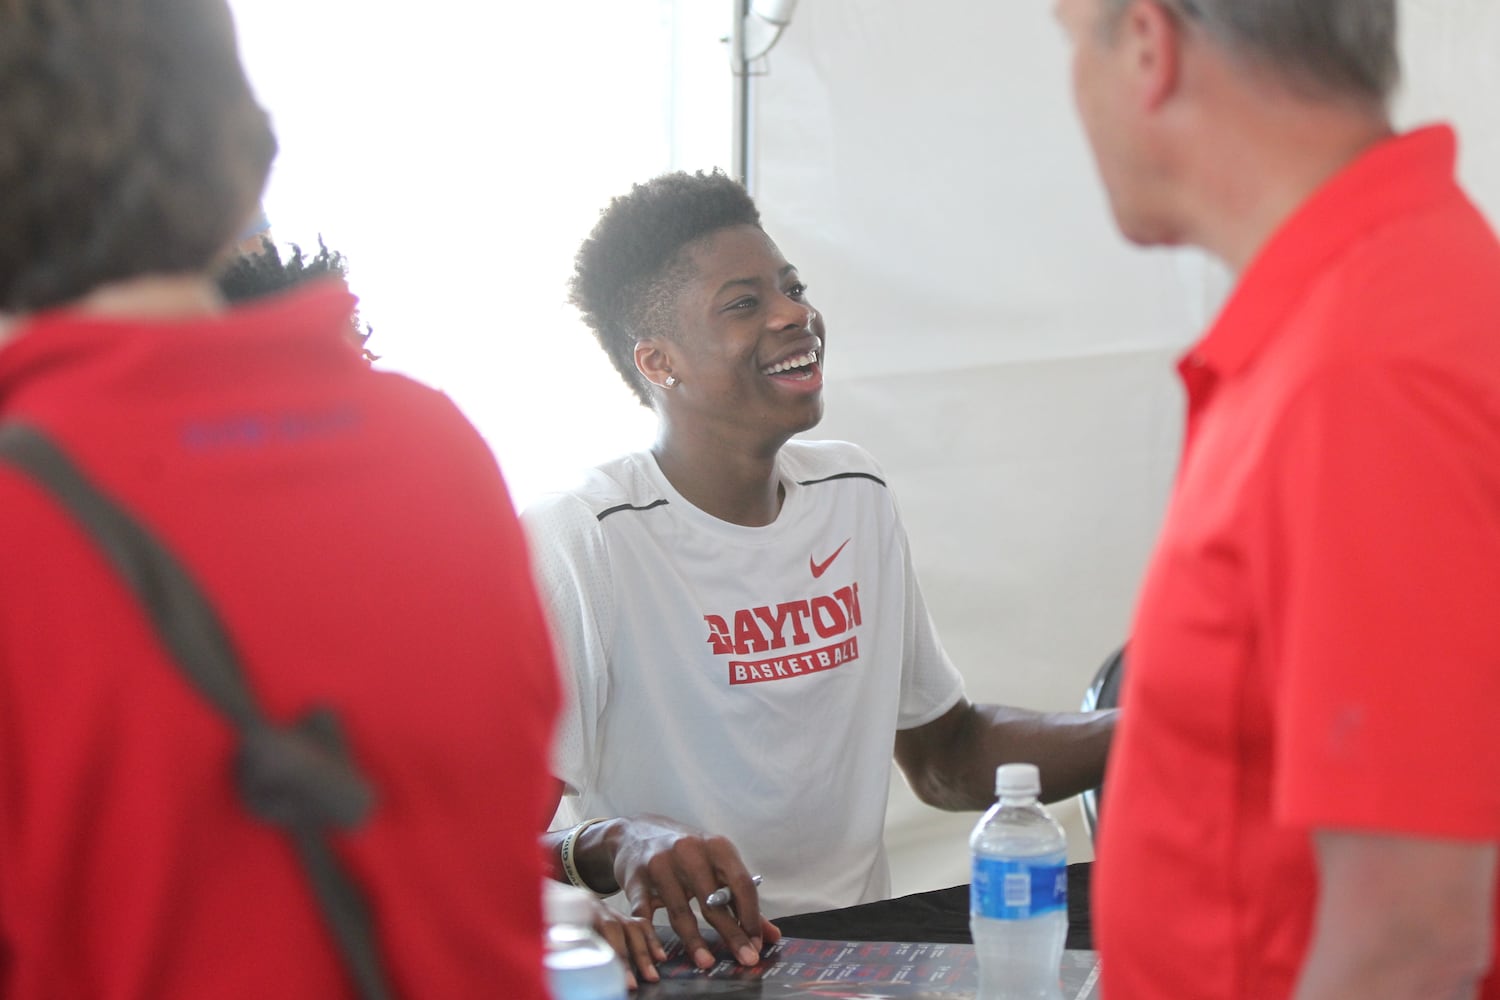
312,319
1394,177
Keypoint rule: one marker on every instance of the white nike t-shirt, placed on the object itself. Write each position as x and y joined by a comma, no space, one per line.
746,681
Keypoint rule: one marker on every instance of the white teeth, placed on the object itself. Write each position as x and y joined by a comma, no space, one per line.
810,358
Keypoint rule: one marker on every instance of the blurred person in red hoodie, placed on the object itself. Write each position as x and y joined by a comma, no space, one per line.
349,526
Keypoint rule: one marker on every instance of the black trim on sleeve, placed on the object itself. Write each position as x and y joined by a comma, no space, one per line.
843,475
625,506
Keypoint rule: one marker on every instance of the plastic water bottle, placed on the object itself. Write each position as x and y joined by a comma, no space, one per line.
580,964
1018,895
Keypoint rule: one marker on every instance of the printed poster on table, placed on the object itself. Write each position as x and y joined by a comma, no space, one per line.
849,970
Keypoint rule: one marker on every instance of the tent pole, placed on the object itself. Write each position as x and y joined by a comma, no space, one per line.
740,146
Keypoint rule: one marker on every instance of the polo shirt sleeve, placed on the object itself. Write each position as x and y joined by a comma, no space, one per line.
571,565
1383,585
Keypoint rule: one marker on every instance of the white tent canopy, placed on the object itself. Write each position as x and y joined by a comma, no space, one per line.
995,343
992,341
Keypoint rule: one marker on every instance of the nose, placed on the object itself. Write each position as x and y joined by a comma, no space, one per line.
793,314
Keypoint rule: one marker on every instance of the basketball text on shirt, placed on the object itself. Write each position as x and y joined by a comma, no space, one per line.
792,623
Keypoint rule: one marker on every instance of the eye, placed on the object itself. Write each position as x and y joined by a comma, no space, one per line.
749,302
797,291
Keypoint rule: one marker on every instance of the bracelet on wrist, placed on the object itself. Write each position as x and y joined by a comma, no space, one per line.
569,854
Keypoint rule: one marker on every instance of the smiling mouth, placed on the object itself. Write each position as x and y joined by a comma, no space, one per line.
801,364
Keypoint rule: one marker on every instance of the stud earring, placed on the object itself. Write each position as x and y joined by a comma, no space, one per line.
671,381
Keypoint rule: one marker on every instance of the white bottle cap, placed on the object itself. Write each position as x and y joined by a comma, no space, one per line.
567,904
1016,780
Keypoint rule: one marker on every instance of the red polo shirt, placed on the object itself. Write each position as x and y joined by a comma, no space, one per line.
1317,643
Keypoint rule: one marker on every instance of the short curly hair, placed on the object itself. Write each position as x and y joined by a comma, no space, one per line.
252,276
255,275
130,144
632,267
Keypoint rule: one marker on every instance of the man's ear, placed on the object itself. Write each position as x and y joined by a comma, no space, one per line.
1150,38
653,360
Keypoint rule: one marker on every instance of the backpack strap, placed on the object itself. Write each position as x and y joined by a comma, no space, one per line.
299,777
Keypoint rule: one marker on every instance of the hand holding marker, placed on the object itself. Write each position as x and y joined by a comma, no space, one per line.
723,895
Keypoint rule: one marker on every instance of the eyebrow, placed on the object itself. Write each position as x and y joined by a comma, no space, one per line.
753,282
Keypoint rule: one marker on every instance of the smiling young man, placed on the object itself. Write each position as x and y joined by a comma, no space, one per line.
745,639
1303,799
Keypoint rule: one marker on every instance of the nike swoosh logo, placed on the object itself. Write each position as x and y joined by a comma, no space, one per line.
819,568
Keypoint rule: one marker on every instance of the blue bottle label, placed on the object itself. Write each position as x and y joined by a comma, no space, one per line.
1009,889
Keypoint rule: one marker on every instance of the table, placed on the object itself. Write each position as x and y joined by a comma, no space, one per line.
941,964
939,915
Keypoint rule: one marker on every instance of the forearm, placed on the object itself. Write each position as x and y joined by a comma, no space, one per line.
593,854
1399,919
615,849
1398,975
1070,748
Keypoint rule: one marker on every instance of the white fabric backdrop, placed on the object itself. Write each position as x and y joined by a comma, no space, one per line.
992,341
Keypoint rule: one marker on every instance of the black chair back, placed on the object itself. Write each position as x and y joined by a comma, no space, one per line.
1103,692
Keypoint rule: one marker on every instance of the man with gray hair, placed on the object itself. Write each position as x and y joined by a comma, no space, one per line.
1302,798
